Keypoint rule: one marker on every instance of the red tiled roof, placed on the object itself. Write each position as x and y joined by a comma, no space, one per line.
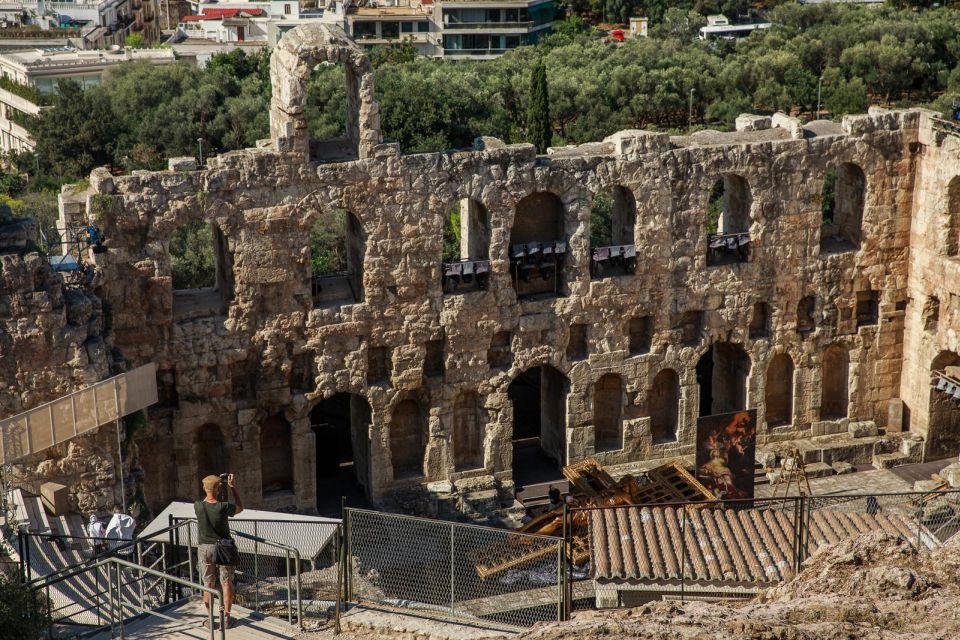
220,14
743,545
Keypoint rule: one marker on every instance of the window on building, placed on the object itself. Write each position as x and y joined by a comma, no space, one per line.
363,29
390,30
201,266
286,9
378,364
868,308
640,332
433,359
577,343
406,27
613,215
337,246
423,26
760,321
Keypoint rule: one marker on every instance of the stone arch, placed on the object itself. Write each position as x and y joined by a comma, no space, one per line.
276,455
729,206
843,208
722,374
943,430
537,244
292,61
469,419
210,447
408,426
608,412
613,219
338,246
952,245
664,406
835,383
341,426
779,391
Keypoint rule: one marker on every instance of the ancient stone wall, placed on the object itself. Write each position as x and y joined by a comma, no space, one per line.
259,351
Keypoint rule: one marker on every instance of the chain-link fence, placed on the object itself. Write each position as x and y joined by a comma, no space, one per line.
450,570
628,555
288,569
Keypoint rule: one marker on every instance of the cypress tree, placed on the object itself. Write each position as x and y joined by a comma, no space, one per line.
538,114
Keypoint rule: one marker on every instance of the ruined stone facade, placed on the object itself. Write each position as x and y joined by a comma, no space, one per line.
812,327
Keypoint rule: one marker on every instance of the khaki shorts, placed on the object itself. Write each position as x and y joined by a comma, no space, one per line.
207,554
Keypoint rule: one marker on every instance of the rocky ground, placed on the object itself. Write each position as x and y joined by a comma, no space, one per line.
872,588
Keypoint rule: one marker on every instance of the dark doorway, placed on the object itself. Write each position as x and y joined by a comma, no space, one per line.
539,398
341,424
722,376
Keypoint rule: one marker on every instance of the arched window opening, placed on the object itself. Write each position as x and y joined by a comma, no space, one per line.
664,406
538,245
952,245
728,221
201,266
337,247
722,376
407,439
943,423
842,202
539,400
276,455
211,451
608,413
760,321
469,418
466,247
779,392
333,125
613,217
835,382
806,319
341,424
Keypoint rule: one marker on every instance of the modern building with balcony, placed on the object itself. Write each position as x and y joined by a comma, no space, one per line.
489,28
28,76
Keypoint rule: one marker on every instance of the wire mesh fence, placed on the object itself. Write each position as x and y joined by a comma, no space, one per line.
450,570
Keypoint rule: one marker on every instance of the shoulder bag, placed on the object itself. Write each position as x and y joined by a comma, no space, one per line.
226,553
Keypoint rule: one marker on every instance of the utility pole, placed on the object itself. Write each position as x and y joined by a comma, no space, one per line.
690,115
819,87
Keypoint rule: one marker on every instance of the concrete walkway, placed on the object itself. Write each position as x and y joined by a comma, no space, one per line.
188,618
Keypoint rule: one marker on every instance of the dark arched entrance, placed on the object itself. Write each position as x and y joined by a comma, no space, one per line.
539,398
722,376
943,423
341,424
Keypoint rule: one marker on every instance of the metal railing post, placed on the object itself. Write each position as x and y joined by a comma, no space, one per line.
256,568
683,554
347,557
140,562
190,552
562,574
289,591
296,561
452,578
49,606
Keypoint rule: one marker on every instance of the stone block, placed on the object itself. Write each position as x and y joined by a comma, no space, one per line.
841,468
752,122
951,475
818,470
55,498
889,460
862,429
895,415
183,163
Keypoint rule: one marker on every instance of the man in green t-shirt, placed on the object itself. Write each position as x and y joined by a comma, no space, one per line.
213,524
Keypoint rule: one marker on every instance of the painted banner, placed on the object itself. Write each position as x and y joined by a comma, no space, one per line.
726,445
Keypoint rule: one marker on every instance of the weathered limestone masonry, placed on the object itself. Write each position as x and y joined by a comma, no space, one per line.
51,343
261,355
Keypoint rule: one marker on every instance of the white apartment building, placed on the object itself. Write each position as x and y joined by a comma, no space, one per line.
42,69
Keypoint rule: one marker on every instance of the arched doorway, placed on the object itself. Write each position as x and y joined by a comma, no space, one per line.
539,398
779,391
835,395
341,424
943,424
538,245
608,413
408,429
663,405
722,376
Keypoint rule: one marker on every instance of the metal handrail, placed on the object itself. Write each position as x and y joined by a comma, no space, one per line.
120,564
288,551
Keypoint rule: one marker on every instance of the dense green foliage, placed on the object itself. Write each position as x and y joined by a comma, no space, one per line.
327,244
22,612
191,256
601,220
539,130
851,56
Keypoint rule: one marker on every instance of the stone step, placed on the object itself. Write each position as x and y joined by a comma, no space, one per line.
890,460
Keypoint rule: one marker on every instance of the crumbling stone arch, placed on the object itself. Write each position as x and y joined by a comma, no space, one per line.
952,241
778,395
292,61
730,202
210,450
835,383
722,375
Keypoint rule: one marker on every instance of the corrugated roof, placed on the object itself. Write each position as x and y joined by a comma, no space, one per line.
730,545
